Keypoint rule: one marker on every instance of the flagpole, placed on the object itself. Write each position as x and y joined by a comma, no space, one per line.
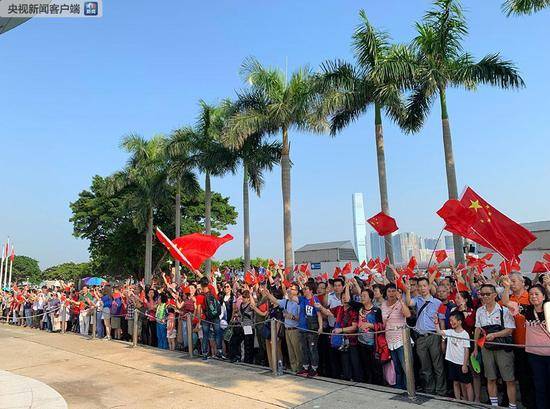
11,269
2,267
7,260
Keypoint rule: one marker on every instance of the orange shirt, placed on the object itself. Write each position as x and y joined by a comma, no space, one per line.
519,332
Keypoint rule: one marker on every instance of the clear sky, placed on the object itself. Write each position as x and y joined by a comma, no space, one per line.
71,88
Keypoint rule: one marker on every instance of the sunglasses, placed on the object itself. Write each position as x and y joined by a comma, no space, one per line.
485,294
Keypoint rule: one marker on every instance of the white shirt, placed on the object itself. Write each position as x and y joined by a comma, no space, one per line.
484,318
455,346
332,302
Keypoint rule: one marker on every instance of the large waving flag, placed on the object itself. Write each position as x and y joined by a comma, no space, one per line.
193,249
383,224
474,218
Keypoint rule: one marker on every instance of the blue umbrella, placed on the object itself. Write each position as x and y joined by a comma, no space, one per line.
93,280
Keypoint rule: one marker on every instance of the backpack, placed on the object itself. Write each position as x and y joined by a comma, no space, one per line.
213,308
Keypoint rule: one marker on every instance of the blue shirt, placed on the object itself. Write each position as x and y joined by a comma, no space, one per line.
425,321
291,307
307,311
107,301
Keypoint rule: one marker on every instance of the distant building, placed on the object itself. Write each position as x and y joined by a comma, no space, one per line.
433,244
359,227
533,252
449,243
324,257
377,248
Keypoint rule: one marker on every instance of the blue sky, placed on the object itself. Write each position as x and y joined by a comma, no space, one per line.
71,88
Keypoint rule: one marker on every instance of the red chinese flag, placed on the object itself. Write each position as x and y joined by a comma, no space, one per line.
249,278
546,257
493,229
270,263
383,224
303,267
363,264
458,218
198,247
357,271
541,267
325,276
440,256
173,249
12,254
481,341
399,283
412,263
371,264
507,267
337,272
347,268
461,287
386,262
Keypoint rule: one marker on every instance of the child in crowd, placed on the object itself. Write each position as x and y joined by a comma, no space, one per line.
457,355
171,328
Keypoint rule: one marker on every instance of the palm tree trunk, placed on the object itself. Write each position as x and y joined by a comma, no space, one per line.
178,226
285,185
246,220
149,247
207,216
382,180
450,168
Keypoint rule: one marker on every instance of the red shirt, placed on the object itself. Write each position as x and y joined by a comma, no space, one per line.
346,318
201,299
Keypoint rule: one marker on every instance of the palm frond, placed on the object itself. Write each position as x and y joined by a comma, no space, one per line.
491,69
520,7
369,44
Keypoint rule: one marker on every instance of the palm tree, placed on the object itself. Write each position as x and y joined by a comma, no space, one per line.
256,156
438,61
349,91
145,176
207,152
180,172
274,104
524,6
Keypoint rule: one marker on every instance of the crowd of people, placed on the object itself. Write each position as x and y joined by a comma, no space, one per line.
473,337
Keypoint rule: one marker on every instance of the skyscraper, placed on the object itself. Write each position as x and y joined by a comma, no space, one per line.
377,246
359,227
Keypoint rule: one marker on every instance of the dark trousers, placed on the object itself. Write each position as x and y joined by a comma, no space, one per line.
324,350
431,364
235,343
524,376
149,333
310,354
351,366
335,363
540,367
371,366
249,348
398,358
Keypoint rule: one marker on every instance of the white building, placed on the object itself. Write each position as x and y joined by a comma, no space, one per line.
533,252
325,257
359,227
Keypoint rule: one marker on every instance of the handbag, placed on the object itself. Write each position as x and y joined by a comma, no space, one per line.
382,351
337,340
489,329
228,334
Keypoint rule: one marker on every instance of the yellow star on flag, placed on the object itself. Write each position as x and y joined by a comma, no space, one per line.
474,204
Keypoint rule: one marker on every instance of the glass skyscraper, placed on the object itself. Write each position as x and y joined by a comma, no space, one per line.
359,227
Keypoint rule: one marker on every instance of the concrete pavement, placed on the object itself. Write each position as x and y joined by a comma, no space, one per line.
106,374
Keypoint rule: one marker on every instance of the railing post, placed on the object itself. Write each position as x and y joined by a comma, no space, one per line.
94,324
274,357
135,328
409,362
189,324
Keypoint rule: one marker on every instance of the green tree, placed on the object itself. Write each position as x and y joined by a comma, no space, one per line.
519,7
116,245
274,104
202,144
256,157
348,92
438,61
68,272
180,172
26,268
146,176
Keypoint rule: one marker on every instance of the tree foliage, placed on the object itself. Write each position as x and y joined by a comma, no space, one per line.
26,268
116,245
67,272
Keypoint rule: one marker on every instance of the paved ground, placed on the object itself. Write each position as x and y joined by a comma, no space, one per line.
102,374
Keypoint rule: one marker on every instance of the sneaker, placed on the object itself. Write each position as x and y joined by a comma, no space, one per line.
303,372
205,357
312,373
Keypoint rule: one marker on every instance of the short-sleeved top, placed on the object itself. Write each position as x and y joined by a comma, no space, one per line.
332,302
308,313
346,318
456,342
394,320
523,301
293,308
444,313
372,316
83,300
201,299
536,334
484,318
425,321
247,314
